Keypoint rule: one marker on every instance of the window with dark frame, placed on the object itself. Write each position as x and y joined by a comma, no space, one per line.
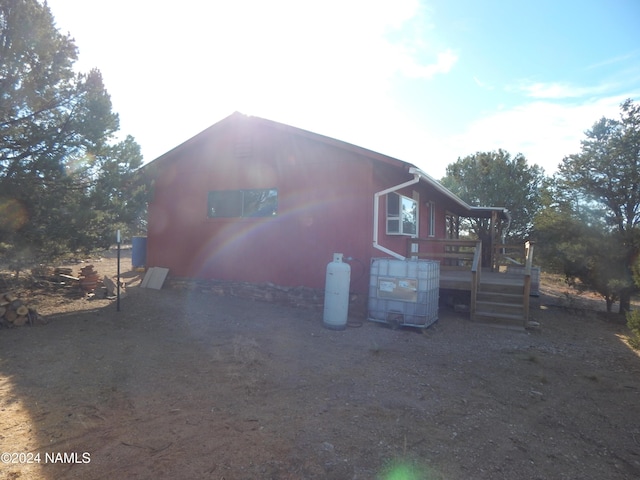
242,203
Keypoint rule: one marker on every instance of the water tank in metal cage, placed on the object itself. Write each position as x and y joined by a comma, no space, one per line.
404,292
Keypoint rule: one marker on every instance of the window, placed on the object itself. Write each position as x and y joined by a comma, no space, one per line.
243,203
402,215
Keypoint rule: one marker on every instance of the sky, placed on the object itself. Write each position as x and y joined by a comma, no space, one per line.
424,81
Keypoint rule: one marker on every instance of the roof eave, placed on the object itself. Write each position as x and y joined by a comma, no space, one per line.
479,212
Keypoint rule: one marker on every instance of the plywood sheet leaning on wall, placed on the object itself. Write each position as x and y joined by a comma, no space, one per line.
154,278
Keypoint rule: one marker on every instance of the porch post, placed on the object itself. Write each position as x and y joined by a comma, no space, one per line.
493,240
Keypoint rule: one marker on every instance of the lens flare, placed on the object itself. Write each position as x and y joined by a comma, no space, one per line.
403,470
13,215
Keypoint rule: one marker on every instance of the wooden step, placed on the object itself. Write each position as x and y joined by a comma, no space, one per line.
500,318
500,304
500,307
511,298
512,289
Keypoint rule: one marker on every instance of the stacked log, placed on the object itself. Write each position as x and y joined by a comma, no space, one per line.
62,275
63,270
14,313
88,279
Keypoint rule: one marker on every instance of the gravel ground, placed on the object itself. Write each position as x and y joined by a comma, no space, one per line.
186,384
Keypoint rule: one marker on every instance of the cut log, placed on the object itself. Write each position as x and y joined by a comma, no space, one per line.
87,271
14,312
89,279
89,284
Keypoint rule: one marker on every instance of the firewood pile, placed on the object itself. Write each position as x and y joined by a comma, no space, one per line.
15,313
88,279
62,275
59,271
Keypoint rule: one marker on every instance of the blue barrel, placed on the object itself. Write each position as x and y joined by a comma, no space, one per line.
139,252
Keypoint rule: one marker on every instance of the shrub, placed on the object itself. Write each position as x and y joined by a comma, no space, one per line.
633,322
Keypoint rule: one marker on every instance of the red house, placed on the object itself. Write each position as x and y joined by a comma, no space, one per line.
257,201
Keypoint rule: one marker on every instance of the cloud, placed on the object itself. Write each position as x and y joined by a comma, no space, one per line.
557,90
614,60
481,84
543,131
444,63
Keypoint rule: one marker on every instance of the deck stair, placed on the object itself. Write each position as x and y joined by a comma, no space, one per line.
497,296
501,302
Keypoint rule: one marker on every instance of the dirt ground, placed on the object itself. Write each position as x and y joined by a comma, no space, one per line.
186,384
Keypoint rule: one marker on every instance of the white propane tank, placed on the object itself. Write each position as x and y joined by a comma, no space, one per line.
336,294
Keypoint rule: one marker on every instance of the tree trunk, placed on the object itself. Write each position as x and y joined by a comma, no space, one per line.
625,302
609,301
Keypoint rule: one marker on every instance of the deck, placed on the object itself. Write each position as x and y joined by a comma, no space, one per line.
495,295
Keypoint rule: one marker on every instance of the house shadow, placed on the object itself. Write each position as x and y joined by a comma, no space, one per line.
54,374
43,380
71,389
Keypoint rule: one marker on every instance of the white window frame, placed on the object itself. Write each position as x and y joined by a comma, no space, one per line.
432,218
393,218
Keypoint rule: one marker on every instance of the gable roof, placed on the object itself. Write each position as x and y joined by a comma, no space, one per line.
463,209
239,118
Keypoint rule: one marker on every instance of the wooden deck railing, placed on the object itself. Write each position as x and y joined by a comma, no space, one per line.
528,248
452,254
518,255
505,255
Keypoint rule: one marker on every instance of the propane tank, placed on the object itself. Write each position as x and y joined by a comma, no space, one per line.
336,294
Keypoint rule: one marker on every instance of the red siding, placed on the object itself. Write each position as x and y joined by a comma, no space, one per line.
325,205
